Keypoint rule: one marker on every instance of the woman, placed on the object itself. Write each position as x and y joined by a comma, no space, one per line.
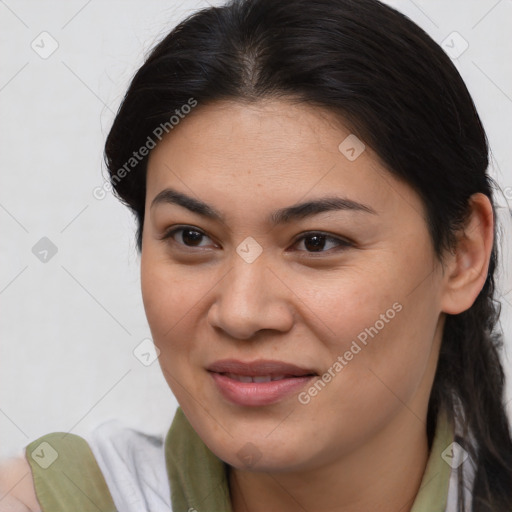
316,229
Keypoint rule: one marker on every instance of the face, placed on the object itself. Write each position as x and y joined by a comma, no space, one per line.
338,301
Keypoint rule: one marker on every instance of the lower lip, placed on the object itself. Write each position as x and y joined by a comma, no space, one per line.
258,393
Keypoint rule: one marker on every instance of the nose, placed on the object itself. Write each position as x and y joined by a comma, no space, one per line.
251,298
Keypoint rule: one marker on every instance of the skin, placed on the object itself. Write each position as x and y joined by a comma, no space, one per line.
361,443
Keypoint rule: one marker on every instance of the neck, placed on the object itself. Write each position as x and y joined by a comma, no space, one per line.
384,474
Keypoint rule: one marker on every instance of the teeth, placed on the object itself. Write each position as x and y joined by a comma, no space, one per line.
265,378
240,378
259,378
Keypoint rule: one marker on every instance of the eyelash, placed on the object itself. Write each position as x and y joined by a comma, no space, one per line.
344,244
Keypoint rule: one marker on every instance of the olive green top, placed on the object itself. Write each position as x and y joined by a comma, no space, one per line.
66,475
68,478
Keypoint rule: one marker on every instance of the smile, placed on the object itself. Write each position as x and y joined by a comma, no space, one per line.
258,383
258,378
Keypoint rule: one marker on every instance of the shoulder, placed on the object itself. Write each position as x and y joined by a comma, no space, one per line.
17,492
62,463
55,465
115,465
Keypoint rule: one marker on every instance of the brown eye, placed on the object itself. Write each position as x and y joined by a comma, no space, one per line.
316,242
191,237
187,236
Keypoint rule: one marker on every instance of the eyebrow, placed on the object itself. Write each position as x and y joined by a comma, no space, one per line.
280,216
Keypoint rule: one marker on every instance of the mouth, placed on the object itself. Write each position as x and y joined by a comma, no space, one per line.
256,378
258,383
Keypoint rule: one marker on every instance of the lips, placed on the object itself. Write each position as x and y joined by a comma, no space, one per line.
256,378
260,368
258,383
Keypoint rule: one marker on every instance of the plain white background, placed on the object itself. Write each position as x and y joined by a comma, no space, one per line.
69,325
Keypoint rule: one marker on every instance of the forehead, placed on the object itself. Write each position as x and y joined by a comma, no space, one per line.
277,149
277,129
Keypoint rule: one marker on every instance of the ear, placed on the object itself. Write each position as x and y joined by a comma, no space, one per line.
467,265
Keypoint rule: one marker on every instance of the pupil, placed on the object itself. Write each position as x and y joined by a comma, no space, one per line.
193,239
319,241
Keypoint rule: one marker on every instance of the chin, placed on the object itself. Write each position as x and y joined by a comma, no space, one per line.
252,458
254,453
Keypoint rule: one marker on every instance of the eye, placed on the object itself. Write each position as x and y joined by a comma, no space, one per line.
315,242
187,236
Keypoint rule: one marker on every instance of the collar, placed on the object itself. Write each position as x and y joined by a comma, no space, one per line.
199,479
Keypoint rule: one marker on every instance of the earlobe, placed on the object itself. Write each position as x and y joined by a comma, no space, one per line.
468,264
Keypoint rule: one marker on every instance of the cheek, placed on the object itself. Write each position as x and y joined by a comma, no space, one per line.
168,296
379,335
176,304
169,300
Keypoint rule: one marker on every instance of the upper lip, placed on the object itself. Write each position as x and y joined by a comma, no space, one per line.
259,367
